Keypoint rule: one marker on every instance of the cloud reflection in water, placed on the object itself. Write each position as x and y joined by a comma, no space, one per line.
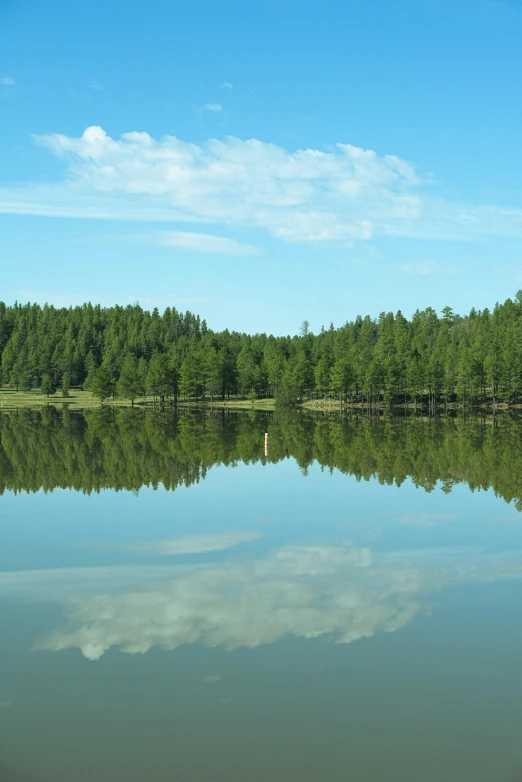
340,591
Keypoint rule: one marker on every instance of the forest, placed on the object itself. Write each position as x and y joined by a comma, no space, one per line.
127,352
122,448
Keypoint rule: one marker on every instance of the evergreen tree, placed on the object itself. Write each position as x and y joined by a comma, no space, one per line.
287,393
129,386
158,377
212,372
26,380
102,383
66,382
141,376
188,378
47,387
474,359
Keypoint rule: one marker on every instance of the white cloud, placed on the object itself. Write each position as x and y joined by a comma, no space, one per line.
184,240
339,591
308,195
213,107
193,544
7,81
95,85
340,195
226,85
426,519
54,584
307,591
204,243
425,268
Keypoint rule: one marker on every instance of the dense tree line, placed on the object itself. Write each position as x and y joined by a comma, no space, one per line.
130,352
121,448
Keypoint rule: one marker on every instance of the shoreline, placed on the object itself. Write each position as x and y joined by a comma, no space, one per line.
82,400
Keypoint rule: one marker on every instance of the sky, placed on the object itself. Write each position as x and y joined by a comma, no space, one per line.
261,163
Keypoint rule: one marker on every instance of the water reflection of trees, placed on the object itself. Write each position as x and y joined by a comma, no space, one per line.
126,449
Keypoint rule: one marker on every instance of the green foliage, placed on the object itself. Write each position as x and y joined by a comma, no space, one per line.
47,387
425,361
287,393
129,385
66,383
102,384
189,376
125,448
25,380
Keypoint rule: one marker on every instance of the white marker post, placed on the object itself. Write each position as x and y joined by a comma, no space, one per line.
266,443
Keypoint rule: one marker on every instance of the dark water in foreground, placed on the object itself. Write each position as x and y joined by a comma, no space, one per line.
175,605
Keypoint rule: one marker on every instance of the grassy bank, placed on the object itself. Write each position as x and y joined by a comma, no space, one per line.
77,400
81,400
239,404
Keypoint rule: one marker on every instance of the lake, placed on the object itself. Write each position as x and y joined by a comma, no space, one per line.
176,604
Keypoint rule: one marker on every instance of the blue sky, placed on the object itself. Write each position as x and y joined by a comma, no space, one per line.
261,163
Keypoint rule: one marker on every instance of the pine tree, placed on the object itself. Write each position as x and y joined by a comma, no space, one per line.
26,380
212,372
47,387
470,360
102,383
141,376
129,386
245,369
188,377
65,384
287,393
340,377
158,381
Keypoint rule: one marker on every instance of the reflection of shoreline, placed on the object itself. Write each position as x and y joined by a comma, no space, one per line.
129,449
342,592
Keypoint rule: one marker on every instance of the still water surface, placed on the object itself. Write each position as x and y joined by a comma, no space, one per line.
175,605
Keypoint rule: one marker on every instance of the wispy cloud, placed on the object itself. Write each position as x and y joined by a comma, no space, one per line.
226,85
213,107
426,519
339,195
183,240
95,85
203,243
425,268
191,544
7,81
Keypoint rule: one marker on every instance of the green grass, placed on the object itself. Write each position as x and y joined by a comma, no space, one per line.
10,399
243,404
81,400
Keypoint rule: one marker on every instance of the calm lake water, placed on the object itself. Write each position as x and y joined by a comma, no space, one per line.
175,605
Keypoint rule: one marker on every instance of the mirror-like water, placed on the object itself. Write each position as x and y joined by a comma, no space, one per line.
174,604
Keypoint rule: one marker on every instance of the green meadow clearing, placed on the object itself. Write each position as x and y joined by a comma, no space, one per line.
81,400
